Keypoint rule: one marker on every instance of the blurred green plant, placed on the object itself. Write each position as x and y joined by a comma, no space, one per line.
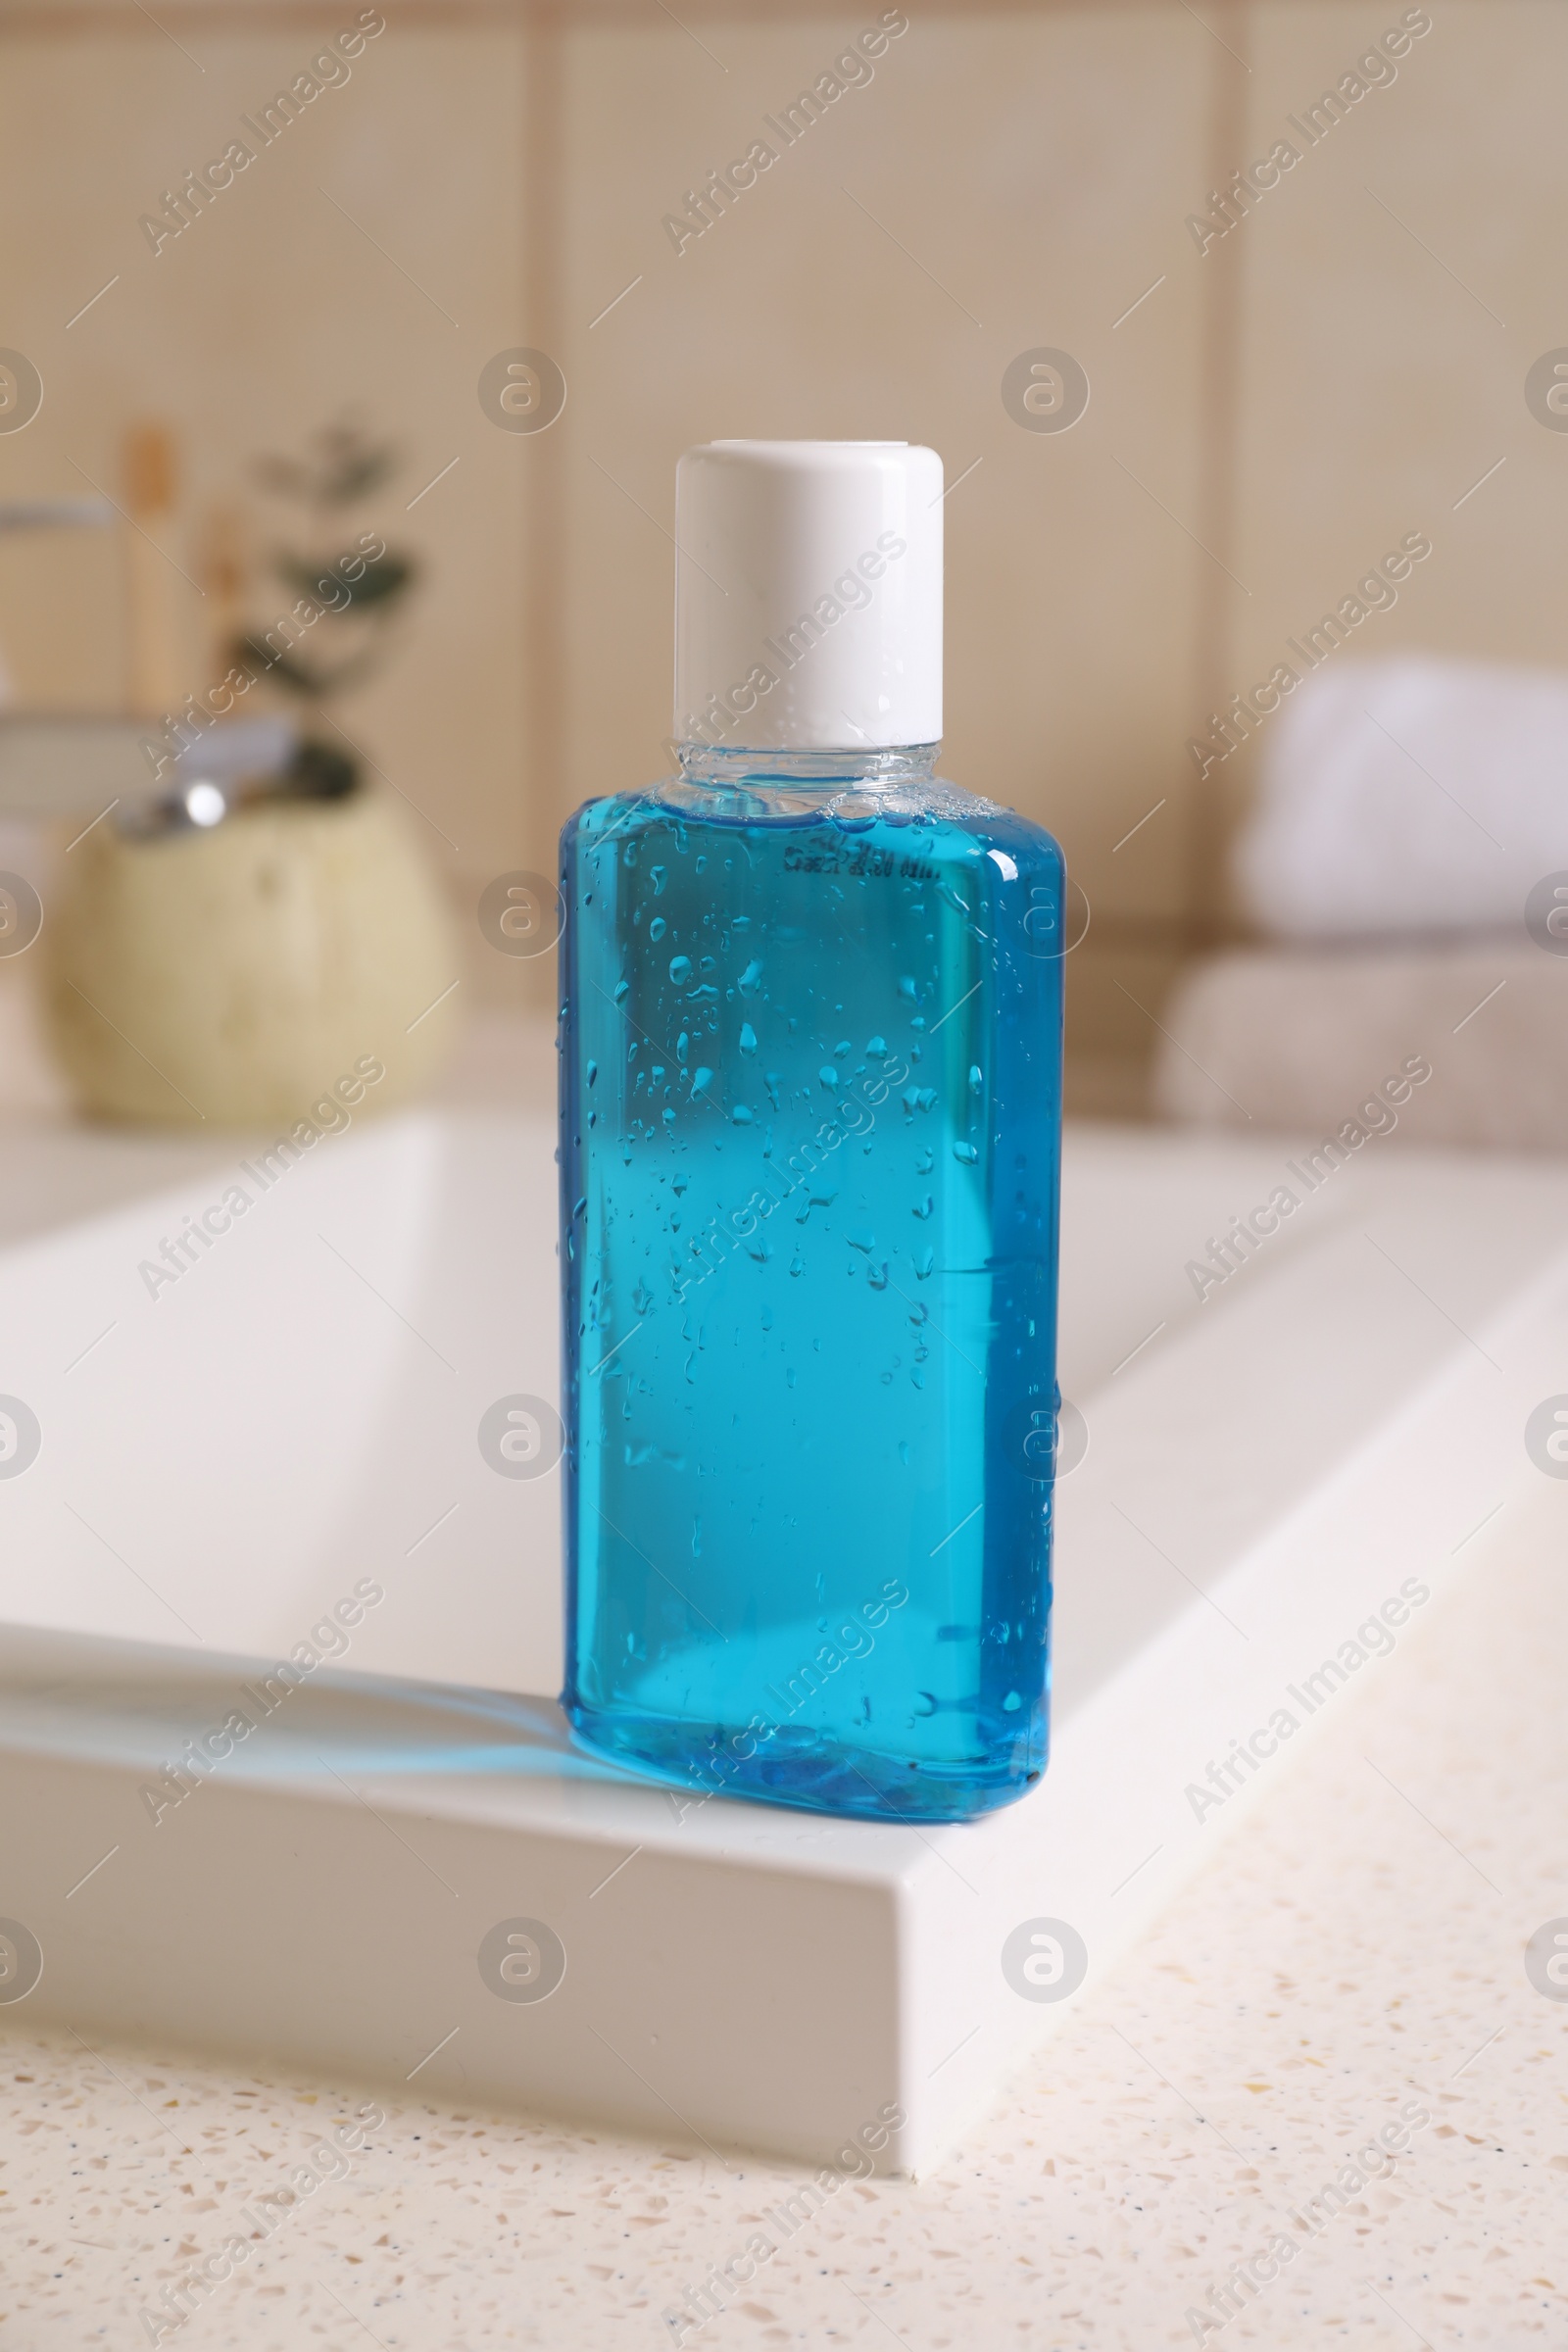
338,469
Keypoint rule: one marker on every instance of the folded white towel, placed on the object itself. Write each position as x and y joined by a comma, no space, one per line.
1300,1040
1411,794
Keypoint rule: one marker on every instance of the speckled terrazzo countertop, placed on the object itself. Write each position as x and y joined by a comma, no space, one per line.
1355,1947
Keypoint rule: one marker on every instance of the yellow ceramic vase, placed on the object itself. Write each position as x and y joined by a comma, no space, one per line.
229,978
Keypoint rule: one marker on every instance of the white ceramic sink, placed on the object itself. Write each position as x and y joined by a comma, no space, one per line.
222,1463
299,1408
224,1452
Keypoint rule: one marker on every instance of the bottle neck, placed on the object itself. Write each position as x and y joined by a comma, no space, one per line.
797,770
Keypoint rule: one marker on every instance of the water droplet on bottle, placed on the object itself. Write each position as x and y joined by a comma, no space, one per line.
828,1076
700,1079
593,1071
680,970
656,928
976,1082
966,1153
751,976
877,1046
748,1037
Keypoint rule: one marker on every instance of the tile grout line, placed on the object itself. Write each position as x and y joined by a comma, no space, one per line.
545,525
1219,383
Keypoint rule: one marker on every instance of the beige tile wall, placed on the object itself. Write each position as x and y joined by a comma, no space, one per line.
271,313
1398,283
1331,373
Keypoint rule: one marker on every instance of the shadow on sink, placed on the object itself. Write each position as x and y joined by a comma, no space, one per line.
183,1719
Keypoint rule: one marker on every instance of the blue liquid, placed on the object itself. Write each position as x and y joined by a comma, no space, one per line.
810,1119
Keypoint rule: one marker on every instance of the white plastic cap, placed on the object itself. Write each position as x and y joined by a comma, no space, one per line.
808,595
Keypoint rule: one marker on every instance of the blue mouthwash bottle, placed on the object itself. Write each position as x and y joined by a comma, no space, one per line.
809,1136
